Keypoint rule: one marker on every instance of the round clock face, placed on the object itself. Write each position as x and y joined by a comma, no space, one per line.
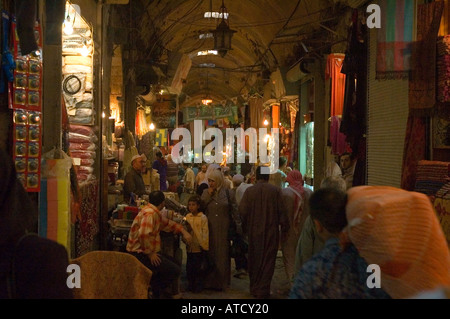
72,84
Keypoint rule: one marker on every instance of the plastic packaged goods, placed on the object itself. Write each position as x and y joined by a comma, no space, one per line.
81,130
82,146
86,162
81,138
82,154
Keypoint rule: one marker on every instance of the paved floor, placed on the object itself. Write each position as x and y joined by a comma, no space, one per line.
239,287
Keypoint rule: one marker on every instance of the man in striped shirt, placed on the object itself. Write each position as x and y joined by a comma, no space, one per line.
144,242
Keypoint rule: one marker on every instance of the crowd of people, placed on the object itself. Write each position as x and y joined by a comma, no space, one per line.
313,230
338,241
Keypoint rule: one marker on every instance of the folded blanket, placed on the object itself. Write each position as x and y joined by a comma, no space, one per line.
87,120
78,60
71,69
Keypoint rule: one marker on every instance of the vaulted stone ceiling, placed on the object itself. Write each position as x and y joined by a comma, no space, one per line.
270,34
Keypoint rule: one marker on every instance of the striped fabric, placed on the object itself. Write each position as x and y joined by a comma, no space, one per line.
431,176
395,39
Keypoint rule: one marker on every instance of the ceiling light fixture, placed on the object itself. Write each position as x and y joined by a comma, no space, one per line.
223,34
206,101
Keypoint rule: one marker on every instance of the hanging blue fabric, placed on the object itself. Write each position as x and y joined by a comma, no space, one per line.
8,63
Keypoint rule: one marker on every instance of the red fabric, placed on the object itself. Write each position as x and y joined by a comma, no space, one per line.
422,84
81,129
296,182
87,228
445,21
414,150
338,141
333,71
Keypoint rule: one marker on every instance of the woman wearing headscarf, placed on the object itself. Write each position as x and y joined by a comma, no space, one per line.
295,197
31,267
204,183
218,203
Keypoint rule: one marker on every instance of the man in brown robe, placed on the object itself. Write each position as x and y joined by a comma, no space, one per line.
262,213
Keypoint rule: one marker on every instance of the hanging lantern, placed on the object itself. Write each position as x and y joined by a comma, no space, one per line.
223,34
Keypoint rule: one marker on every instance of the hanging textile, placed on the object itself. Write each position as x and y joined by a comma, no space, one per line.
26,17
293,118
444,28
161,137
285,114
414,150
87,229
333,72
394,39
422,84
256,112
431,176
296,141
141,123
221,112
417,126
234,118
443,69
353,123
338,140
55,219
275,116
147,144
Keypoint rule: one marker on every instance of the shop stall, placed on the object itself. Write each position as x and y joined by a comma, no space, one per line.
80,133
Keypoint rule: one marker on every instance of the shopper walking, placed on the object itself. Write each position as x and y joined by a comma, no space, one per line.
262,213
218,203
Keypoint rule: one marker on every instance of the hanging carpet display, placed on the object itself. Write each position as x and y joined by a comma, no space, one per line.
394,39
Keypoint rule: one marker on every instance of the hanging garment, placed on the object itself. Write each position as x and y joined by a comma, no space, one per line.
444,28
285,115
141,123
422,83
337,139
333,71
275,115
256,112
26,18
353,123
